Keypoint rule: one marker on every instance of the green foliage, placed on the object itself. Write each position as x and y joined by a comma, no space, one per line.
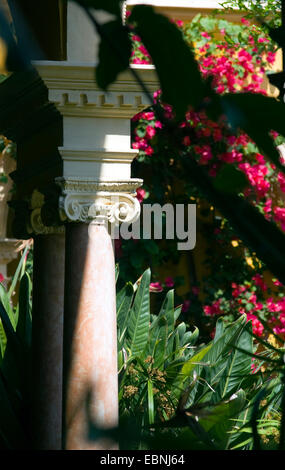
268,10
184,394
15,360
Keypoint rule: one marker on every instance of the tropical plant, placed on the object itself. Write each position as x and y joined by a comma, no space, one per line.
15,360
189,395
268,10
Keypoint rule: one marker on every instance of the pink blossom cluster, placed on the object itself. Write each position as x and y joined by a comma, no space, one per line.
213,309
139,53
256,175
279,216
250,299
145,131
232,69
159,286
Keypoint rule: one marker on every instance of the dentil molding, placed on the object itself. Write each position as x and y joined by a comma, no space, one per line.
73,89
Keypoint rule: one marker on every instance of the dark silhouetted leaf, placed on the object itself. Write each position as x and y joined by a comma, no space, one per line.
278,80
114,53
257,115
262,236
230,180
178,73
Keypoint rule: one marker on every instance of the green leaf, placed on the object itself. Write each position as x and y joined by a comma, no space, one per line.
219,420
177,70
192,363
154,334
124,301
17,274
13,361
160,349
177,312
167,310
117,272
3,340
218,355
24,325
7,325
225,343
220,328
190,337
114,53
230,180
150,401
238,364
4,298
139,318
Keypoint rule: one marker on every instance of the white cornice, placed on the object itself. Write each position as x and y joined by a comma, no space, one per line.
202,4
81,74
72,87
185,10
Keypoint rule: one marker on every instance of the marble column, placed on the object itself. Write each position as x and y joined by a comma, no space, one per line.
90,338
47,348
90,386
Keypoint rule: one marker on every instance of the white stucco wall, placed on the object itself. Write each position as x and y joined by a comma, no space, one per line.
82,39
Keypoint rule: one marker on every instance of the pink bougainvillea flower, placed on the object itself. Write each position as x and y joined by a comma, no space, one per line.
149,151
186,141
279,216
245,22
281,181
169,281
205,35
179,23
141,194
277,283
261,40
258,280
214,309
185,306
155,287
150,132
158,125
257,327
1,277
148,115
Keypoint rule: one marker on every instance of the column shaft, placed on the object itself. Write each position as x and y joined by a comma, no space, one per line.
47,341
90,338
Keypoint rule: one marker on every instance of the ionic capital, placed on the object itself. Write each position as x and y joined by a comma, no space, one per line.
86,200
